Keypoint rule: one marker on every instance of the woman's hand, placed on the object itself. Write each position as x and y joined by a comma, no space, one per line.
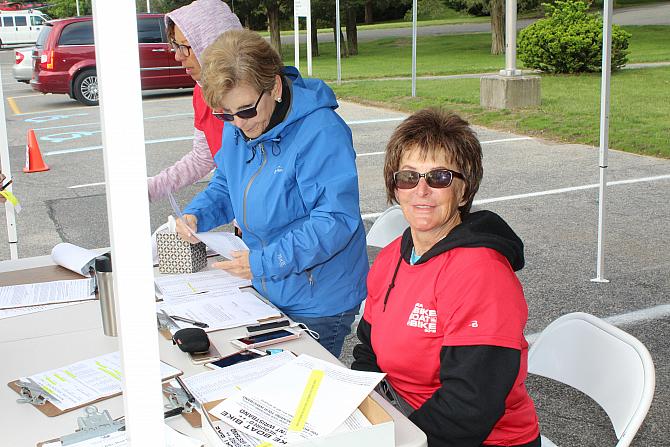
238,266
187,226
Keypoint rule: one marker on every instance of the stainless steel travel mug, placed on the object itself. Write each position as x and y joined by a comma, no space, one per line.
104,280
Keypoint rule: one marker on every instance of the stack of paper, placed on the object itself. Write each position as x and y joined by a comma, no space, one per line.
28,298
118,439
80,383
201,282
302,399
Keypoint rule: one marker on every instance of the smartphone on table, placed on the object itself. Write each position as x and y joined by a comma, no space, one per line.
267,338
234,359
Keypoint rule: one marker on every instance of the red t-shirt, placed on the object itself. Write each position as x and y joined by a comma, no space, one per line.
204,120
463,297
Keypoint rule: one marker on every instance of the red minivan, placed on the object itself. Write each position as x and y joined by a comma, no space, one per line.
64,58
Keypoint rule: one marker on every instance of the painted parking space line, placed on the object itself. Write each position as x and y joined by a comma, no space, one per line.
550,192
97,148
504,140
13,106
148,118
86,185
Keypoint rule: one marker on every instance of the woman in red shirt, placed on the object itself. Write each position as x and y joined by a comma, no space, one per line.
445,312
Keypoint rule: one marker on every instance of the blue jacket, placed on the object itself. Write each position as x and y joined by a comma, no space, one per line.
294,193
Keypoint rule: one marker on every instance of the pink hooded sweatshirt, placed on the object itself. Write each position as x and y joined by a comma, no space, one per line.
201,22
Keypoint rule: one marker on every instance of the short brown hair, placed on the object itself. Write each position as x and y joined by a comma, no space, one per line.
436,133
238,56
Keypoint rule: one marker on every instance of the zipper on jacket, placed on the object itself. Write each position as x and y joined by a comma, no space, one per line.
244,205
310,277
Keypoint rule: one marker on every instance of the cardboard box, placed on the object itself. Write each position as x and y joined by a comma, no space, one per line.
380,434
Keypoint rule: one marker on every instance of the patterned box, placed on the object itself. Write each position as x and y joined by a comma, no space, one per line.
176,255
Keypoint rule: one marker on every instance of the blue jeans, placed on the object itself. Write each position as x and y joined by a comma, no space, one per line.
332,330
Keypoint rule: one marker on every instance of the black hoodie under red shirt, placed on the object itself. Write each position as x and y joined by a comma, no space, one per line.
448,331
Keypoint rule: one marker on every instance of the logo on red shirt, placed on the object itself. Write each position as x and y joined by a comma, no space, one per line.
423,318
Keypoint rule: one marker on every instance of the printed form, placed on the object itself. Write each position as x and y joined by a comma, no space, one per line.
305,398
52,292
200,282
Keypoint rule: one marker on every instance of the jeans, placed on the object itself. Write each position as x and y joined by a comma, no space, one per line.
332,330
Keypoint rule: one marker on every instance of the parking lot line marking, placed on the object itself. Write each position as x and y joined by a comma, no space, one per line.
378,120
86,185
550,192
98,122
97,148
13,106
628,318
504,140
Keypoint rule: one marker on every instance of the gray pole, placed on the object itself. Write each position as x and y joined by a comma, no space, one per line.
510,40
414,7
337,38
604,135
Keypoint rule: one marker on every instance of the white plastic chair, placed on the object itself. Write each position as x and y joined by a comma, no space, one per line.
607,364
387,227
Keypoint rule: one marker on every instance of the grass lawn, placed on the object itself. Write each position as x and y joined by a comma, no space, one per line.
570,103
570,111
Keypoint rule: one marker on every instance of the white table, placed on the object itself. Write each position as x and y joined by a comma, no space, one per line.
45,340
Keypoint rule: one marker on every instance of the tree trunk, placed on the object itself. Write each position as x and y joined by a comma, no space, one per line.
273,25
315,40
368,12
497,27
352,34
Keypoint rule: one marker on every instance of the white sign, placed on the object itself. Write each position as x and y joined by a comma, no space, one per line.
301,8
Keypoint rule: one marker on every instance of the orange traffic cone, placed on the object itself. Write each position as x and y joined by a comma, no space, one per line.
34,161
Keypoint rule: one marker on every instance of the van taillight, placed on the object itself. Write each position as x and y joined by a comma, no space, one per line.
19,57
47,60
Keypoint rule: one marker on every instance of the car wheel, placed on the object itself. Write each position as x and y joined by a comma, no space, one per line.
86,88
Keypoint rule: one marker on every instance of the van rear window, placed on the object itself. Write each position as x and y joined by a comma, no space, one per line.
42,38
77,33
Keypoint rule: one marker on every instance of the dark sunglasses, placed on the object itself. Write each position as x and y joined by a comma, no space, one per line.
244,114
437,178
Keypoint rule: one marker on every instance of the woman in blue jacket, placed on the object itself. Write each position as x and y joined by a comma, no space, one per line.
288,175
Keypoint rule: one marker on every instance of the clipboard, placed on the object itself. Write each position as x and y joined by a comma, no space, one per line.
49,409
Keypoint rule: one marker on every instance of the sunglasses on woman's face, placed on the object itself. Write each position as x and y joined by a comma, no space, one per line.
437,178
244,114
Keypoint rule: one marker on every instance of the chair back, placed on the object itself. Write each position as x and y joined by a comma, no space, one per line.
387,227
602,361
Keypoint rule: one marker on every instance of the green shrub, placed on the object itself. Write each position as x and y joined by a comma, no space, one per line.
569,40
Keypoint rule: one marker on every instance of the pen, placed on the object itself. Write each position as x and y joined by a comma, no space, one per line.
189,321
167,414
3,187
190,396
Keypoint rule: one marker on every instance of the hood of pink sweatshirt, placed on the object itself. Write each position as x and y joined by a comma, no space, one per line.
202,22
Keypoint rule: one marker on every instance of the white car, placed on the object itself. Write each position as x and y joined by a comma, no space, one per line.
23,66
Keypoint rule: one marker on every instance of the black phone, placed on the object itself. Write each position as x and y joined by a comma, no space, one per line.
233,359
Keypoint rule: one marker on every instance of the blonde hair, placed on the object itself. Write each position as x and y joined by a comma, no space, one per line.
436,133
236,57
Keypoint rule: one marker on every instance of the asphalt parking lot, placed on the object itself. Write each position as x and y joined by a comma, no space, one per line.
546,191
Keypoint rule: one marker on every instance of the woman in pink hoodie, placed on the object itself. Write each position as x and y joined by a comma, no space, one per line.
191,29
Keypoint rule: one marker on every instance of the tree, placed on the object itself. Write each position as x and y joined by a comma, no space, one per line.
497,26
350,26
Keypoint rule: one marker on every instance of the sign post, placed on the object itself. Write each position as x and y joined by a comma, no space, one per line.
302,8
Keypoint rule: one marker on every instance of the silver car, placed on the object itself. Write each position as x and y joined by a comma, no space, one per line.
23,66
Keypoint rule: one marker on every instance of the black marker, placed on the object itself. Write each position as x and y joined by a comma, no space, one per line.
189,321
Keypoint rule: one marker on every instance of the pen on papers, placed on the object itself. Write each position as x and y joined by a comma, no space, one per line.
189,321
3,187
168,414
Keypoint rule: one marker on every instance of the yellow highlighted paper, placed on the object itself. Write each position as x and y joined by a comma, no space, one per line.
306,401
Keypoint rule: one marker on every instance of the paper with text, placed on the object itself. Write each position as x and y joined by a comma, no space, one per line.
86,381
52,292
268,407
221,311
18,311
222,383
75,258
200,282
118,439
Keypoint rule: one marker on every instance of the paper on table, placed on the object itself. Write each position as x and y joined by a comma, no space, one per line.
200,282
86,381
9,313
222,242
229,436
52,292
73,257
118,439
221,312
222,383
265,408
